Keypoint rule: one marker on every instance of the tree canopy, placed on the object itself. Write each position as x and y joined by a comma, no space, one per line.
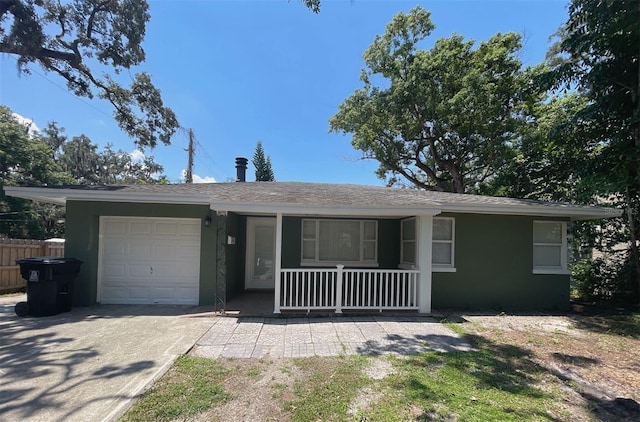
598,55
50,158
262,164
75,39
442,118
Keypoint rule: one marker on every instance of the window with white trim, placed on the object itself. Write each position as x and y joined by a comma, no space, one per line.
353,242
408,241
550,247
442,255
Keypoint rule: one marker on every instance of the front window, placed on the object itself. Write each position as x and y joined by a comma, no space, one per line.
339,241
549,247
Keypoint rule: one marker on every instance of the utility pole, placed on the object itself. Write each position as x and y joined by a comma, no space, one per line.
189,175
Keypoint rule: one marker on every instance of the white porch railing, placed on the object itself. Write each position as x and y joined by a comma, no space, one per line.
339,288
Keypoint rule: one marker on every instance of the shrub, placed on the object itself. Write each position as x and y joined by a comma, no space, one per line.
603,280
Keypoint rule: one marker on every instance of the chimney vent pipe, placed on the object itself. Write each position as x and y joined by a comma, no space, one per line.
241,169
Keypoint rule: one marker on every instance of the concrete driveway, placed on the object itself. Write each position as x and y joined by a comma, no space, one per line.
90,363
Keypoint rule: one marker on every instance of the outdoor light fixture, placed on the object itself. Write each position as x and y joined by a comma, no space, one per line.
207,221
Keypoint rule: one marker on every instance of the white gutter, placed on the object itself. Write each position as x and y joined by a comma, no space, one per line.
575,212
60,196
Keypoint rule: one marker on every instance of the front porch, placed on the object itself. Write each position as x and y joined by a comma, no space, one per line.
334,264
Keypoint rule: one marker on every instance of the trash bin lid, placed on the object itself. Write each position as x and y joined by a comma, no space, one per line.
47,260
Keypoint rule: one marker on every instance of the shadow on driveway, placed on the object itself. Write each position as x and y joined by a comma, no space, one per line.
88,364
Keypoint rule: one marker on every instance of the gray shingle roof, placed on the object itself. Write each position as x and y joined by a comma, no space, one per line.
324,195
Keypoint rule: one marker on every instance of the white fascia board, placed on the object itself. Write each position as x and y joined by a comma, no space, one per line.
573,212
298,209
36,194
61,196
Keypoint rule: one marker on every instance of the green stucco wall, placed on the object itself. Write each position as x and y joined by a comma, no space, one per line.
82,227
494,262
236,228
493,256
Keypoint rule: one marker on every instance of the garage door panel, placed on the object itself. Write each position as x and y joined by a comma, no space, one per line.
189,229
140,227
138,293
165,271
116,248
139,271
139,250
115,270
185,251
150,260
116,294
184,294
188,272
115,227
166,229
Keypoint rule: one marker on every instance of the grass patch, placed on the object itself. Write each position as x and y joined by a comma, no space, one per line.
326,388
254,372
191,386
497,383
278,390
625,325
456,327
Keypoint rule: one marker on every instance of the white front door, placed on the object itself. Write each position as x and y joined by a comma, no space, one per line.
261,246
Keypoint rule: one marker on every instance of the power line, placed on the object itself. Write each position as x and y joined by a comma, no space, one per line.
65,90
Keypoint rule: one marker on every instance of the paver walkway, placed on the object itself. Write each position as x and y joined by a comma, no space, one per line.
258,337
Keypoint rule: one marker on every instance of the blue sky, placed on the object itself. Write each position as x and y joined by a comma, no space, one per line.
241,71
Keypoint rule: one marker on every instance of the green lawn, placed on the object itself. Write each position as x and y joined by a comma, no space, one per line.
499,381
191,386
496,382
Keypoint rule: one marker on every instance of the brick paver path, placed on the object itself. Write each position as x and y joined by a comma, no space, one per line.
264,337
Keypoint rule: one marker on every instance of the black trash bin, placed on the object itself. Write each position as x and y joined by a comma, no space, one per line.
49,284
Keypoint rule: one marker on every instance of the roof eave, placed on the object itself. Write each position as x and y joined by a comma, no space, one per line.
567,211
61,196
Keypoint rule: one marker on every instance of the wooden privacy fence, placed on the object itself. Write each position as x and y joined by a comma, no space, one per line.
13,249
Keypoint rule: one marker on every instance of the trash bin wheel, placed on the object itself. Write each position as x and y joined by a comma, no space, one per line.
22,309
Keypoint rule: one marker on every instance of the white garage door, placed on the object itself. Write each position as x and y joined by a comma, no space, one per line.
149,260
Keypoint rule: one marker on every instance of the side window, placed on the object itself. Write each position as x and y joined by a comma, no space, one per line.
549,247
408,241
443,243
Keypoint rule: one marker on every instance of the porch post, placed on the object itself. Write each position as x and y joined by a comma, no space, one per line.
425,232
278,264
339,275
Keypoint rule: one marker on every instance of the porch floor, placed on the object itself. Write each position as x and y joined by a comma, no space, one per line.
260,303
251,303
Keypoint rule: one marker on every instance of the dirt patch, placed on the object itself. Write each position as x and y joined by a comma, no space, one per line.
601,370
379,368
259,386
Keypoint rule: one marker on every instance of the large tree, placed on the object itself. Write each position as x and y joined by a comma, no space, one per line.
89,43
24,159
443,118
549,155
598,54
81,159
